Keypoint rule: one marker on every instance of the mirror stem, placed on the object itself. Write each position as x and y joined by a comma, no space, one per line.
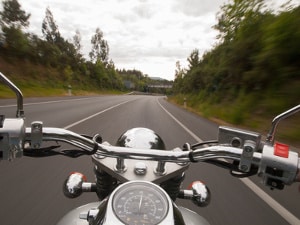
14,88
277,119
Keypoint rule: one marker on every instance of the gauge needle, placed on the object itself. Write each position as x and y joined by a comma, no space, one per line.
140,204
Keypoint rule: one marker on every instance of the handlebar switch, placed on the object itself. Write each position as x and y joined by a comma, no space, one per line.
12,134
277,170
36,134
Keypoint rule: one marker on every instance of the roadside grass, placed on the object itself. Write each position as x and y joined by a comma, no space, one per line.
34,90
36,80
246,112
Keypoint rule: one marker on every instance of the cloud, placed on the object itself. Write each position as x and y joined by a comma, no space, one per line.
143,34
144,10
197,8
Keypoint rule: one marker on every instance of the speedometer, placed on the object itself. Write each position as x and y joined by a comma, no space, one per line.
140,203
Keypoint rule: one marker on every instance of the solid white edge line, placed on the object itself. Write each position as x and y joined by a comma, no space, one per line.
289,217
177,121
283,212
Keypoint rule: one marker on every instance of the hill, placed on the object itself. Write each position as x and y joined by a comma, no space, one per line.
252,74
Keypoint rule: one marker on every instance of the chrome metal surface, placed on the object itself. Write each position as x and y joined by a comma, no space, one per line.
234,137
73,217
282,169
58,134
130,204
213,152
277,119
160,168
140,203
36,134
107,164
246,157
199,194
20,111
140,168
141,137
120,167
12,133
192,218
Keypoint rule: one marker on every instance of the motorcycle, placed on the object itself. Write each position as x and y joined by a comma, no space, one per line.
137,180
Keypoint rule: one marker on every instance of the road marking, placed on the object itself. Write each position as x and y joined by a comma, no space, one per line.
177,121
47,102
96,114
289,217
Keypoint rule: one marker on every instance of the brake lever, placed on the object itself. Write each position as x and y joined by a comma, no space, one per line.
48,151
41,152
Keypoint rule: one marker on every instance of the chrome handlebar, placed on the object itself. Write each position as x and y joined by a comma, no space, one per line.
276,170
175,155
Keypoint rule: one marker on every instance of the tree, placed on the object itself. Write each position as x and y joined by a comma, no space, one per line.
179,77
280,52
232,15
13,16
50,29
77,42
194,59
100,49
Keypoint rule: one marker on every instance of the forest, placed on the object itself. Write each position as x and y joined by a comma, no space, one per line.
54,62
253,70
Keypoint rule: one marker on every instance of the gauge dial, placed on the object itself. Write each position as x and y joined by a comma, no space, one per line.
140,203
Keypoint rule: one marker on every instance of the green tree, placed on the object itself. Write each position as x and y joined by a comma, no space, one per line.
194,58
13,16
49,28
179,73
232,15
16,42
77,42
100,48
13,19
280,52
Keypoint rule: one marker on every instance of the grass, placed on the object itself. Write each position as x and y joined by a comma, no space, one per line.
41,91
36,80
247,112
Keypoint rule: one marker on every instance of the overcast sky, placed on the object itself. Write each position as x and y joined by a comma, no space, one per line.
146,35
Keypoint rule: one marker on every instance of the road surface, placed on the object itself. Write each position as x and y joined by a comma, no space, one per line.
31,189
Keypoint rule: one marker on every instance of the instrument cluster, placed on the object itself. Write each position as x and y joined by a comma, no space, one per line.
140,203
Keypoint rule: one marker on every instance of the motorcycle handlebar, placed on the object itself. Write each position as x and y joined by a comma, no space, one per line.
175,155
272,168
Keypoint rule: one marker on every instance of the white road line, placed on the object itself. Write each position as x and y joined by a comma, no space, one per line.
96,114
46,102
177,121
289,217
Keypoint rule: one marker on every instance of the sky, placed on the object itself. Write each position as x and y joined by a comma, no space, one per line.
146,35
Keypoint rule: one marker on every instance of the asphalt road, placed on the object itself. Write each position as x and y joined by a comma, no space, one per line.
31,189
